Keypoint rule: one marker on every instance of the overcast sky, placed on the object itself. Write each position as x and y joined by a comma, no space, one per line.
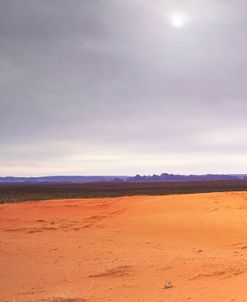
112,87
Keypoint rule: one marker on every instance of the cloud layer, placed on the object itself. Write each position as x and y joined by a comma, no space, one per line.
110,87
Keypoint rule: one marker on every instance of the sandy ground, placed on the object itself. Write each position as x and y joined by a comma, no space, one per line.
145,248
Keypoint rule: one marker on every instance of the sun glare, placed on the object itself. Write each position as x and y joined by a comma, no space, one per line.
178,20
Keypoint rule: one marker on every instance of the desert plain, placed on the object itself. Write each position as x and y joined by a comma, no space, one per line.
170,248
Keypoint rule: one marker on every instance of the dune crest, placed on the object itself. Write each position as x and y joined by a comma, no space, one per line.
138,248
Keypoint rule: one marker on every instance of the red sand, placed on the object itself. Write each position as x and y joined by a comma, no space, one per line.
125,249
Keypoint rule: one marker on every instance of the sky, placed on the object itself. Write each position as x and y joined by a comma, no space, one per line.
112,87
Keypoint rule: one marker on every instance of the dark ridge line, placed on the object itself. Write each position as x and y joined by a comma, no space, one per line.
12,193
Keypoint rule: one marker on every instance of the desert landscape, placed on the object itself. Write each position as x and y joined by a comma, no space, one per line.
134,248
123,164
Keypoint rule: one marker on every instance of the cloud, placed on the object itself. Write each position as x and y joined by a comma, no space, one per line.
99,78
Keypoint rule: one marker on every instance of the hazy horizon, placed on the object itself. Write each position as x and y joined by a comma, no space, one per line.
117,175
129,87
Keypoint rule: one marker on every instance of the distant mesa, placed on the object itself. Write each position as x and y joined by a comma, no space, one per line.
164,177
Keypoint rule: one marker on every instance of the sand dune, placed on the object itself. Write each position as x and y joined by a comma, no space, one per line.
145,248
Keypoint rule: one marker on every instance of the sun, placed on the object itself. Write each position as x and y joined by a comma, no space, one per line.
178,20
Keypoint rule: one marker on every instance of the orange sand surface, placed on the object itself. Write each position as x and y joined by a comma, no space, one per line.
145,248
